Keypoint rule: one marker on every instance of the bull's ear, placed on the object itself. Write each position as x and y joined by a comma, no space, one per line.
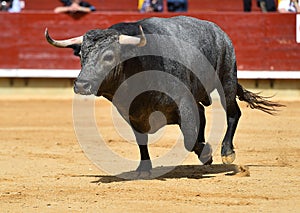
138,41
77,49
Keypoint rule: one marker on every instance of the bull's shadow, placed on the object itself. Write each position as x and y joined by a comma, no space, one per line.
182,171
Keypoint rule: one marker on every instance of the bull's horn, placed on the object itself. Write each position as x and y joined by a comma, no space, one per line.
140,42
63,43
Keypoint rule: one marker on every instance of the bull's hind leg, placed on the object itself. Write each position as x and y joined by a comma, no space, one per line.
145,163
233,114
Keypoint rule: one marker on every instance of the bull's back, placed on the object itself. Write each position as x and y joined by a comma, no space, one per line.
182,27
202,36
188,29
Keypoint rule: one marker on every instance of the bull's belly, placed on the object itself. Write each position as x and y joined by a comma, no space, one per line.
151,121
149,112
151,124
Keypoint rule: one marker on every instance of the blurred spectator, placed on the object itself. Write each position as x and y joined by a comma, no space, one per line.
152,6
12,6
74,6
17,6
247,5
6,5
177,5
140,4
265,5
288,6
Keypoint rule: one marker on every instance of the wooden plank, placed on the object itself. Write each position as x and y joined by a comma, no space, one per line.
262,41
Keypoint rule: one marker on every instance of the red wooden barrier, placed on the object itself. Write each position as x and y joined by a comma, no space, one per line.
262,41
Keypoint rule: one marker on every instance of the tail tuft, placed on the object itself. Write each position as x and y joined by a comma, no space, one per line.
256,101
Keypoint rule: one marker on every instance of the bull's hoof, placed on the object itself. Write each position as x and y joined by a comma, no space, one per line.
206,155
144,175
208,161
145,166
228,159
144,169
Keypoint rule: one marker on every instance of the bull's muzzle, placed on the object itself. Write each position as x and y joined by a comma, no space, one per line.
82,87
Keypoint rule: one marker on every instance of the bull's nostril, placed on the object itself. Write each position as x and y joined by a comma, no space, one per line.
82,87
86,86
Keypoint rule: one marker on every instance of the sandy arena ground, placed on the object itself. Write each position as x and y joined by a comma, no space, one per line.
43,168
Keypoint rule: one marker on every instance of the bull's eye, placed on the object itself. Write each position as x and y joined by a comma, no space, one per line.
108,58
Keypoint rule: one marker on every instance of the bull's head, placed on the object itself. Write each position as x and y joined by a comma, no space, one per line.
99,51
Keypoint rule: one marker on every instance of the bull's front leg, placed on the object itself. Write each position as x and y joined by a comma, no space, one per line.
202,149
145,163
193,131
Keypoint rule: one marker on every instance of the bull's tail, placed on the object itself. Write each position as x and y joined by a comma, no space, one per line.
256,101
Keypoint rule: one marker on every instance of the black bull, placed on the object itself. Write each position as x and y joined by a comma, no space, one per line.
110,57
